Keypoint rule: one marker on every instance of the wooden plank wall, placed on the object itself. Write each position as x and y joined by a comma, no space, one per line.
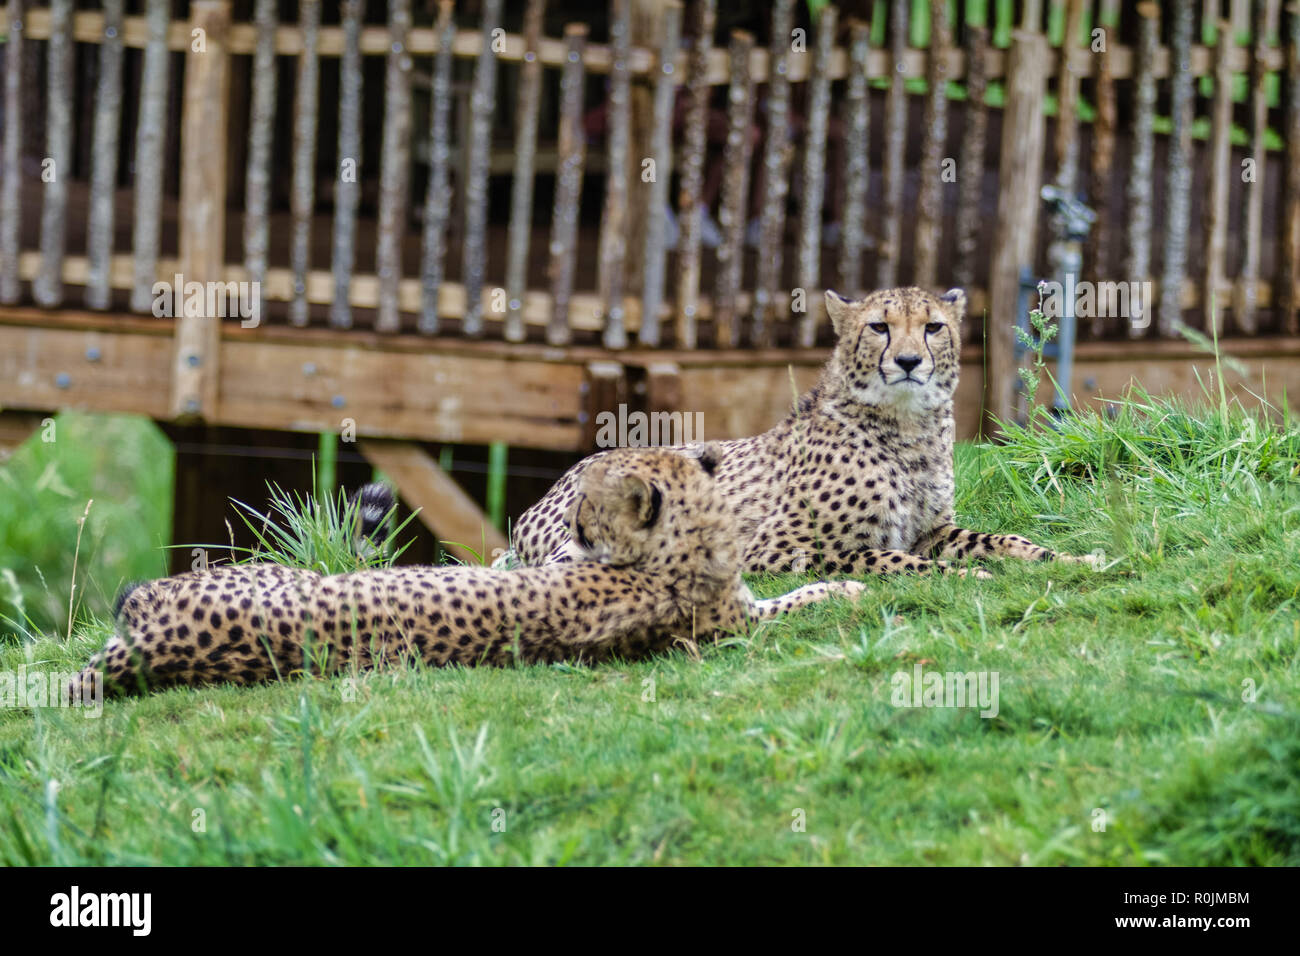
797,104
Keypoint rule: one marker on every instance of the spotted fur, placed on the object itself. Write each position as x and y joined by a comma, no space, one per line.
859,477
659,565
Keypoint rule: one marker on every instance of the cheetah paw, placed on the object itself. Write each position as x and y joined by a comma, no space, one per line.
977,573
1096,560
852,589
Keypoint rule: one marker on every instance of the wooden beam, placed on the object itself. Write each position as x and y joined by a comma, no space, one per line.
663,388
1020,175
453,516
278,286
307,384
401,394
413,387
603,390
64,368
204,116
88,27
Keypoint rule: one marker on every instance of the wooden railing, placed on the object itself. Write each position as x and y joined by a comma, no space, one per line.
634,292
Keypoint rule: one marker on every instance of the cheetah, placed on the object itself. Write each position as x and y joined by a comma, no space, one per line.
859,477
659,565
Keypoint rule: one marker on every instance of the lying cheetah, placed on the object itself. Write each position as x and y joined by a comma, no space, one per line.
859,476
661,566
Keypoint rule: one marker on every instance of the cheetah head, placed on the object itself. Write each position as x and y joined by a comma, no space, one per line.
898,349
656,509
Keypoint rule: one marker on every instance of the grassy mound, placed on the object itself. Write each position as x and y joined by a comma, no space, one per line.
1146,713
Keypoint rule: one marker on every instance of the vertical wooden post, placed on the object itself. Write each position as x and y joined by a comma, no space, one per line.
1031,18
1220,175
482,104
1262,24
347,165
47,289
808,272
11,182
204,118
1019,177
934,144
647,28
437,200
395,174
694,144
1067,118
103,182
970,167
857,161
257,180
568,184
302,198
521,184
1103,155
613,225
1178,177
735,192
661,151
1289,274
776,167
1141,171
891,246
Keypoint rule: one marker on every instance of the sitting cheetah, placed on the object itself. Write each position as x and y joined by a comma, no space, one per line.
661,566
859,476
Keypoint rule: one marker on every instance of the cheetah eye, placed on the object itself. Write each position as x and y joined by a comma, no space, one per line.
880,327
581,536
932,327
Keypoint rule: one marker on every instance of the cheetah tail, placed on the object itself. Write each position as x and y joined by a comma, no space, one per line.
116,667
92,677
373,503
122,595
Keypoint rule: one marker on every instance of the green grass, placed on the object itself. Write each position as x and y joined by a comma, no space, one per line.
124,465
1124,695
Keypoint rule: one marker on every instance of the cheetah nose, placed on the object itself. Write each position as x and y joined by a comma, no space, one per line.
907,362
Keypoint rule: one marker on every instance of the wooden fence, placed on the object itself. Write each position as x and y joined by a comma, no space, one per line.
932,218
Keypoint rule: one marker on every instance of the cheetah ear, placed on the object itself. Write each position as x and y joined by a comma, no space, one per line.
709,454
957,299
644,498
837,307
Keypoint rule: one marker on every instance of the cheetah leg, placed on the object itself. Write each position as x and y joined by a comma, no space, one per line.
949,541
567,553
889,561
866,561
769,608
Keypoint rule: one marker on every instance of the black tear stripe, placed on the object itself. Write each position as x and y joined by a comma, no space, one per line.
656,502
577,523
880,362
